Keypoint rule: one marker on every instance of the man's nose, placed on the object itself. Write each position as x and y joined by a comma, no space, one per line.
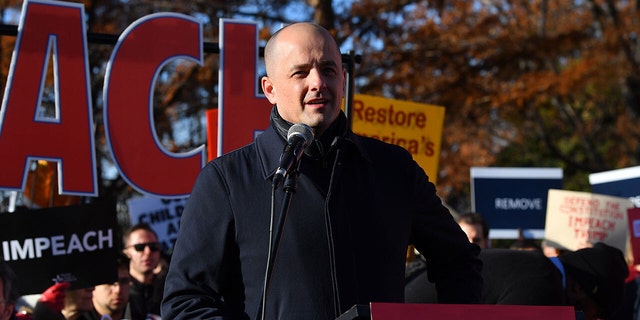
316,80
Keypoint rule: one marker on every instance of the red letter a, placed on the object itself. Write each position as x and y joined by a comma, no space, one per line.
56,27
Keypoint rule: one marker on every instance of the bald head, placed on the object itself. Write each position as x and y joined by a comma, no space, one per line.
305,29
305,76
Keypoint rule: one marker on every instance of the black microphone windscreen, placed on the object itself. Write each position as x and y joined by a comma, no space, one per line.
301,130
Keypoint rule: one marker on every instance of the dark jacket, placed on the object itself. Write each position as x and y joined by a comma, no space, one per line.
95,315
145,299
512,277
631,299
521,277
340,248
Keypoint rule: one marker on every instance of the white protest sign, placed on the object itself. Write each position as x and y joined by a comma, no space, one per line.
163,215
575,219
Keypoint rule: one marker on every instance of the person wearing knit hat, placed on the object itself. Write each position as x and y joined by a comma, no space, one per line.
595,279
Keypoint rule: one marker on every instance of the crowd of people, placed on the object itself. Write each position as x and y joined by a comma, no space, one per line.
597,281
135,295
359,204
591,279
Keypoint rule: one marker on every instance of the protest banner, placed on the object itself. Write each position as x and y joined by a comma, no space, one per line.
142,49
633,218
513,199
46,246
243,111
619,183
576,219
162,215
417,127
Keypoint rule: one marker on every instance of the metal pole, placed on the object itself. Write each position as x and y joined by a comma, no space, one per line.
349,87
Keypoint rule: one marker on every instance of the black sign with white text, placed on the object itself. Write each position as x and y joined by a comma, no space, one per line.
76,244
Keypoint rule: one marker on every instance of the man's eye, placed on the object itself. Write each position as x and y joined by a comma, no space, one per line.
330,71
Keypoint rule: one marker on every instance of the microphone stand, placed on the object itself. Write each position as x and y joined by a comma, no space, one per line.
289,187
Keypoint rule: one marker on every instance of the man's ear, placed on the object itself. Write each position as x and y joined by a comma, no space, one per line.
268,89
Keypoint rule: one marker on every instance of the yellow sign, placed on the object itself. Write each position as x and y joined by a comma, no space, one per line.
414,126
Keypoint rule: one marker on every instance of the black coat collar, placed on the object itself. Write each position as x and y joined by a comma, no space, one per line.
269,146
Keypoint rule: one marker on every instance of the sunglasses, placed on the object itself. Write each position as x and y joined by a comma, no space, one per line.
153,246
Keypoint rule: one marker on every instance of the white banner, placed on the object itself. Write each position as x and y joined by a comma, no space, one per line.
163,215
577,219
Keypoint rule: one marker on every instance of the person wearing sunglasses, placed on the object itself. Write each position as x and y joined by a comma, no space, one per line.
143,249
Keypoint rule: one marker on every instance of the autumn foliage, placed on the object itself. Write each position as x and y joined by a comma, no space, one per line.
525,83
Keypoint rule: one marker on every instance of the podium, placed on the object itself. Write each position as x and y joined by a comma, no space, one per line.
414,311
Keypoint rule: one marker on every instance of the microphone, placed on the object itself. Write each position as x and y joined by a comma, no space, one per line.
298,137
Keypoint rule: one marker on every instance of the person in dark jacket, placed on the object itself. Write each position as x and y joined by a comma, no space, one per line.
590,279
146,290
110,300
595,280
358,204
514,277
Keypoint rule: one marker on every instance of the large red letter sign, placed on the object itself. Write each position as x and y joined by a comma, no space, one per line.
143,48
243,111
58,28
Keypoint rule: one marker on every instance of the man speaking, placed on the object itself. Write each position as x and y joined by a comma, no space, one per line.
343,216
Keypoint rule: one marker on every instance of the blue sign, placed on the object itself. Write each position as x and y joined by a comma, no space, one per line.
513,199
619,183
